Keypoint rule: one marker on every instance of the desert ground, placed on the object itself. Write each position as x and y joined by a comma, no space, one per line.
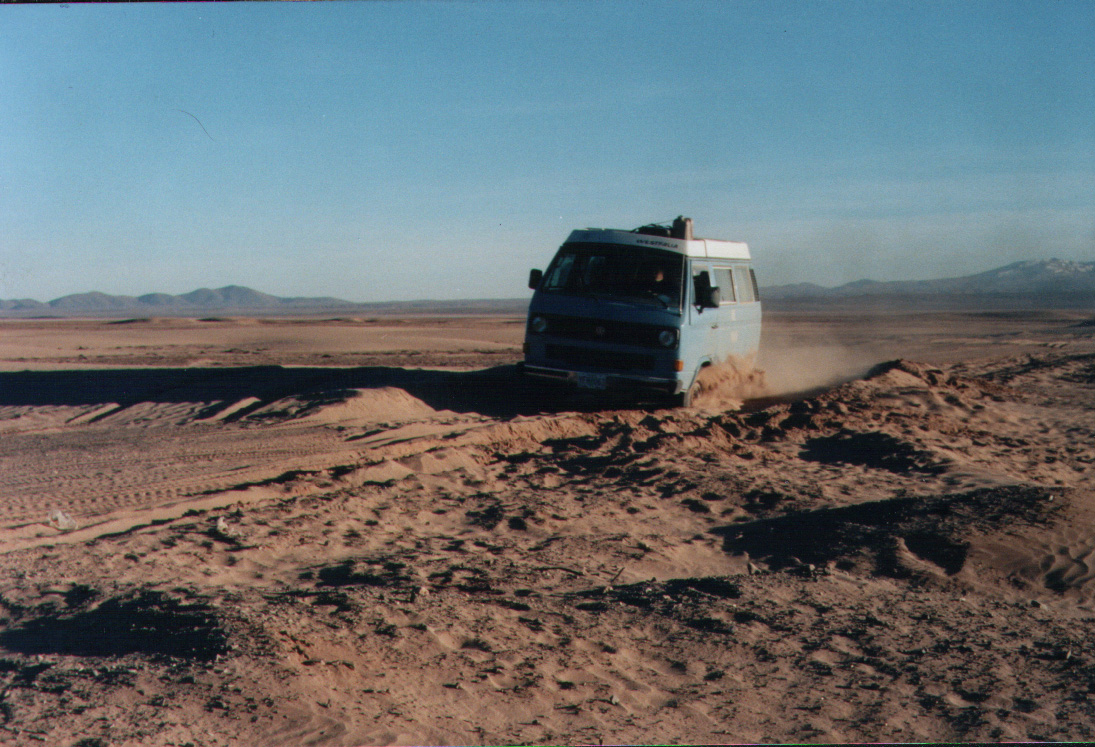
353,531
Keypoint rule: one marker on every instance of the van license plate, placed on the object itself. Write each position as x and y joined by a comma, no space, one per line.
592,381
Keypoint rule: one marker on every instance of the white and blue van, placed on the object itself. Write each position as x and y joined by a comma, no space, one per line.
644,309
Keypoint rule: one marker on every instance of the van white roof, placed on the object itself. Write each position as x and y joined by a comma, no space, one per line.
710,248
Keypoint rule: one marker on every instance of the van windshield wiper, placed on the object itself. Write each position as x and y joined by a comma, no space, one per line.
657,297
644,297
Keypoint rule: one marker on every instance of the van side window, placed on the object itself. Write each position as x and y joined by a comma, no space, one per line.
745,288
753,277
725,280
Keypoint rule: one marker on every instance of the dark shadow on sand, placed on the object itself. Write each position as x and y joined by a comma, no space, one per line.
149,622
495,392
934,528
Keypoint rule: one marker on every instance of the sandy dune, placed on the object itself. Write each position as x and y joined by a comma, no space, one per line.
371,531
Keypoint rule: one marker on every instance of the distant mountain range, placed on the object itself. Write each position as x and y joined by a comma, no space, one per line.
203,299
236,299
1029,283
1048,280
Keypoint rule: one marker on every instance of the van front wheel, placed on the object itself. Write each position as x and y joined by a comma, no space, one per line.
688,396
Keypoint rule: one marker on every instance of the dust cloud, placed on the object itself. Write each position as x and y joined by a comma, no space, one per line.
793,368
784,371
726,386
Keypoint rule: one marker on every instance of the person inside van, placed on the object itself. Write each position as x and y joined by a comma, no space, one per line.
662,284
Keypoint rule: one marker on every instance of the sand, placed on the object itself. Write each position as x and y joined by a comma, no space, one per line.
371,531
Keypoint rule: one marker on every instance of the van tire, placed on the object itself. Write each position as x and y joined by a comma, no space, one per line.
688,396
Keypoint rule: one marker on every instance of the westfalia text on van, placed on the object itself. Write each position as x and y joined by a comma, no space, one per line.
647,308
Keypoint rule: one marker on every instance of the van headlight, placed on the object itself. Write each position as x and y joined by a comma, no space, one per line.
538,325
668,337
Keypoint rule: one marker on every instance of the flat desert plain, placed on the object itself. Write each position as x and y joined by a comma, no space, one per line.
370,530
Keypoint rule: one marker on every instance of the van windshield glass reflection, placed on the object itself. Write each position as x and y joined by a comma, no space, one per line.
619,273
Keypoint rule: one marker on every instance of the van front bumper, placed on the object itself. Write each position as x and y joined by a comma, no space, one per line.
614,381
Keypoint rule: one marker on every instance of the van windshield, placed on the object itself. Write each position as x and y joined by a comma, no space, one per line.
633,274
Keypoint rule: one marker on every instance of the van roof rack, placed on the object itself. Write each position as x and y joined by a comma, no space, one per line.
653,229
678,228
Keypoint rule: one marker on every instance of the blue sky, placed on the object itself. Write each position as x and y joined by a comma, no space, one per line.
386,151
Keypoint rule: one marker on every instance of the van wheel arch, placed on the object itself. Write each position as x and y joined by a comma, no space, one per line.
688,396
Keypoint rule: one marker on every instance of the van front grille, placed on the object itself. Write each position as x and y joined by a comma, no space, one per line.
602,330
572,355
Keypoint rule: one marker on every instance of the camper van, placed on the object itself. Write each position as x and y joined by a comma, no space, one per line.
644,309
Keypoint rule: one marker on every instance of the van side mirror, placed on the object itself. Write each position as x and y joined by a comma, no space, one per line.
534,279
707,297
